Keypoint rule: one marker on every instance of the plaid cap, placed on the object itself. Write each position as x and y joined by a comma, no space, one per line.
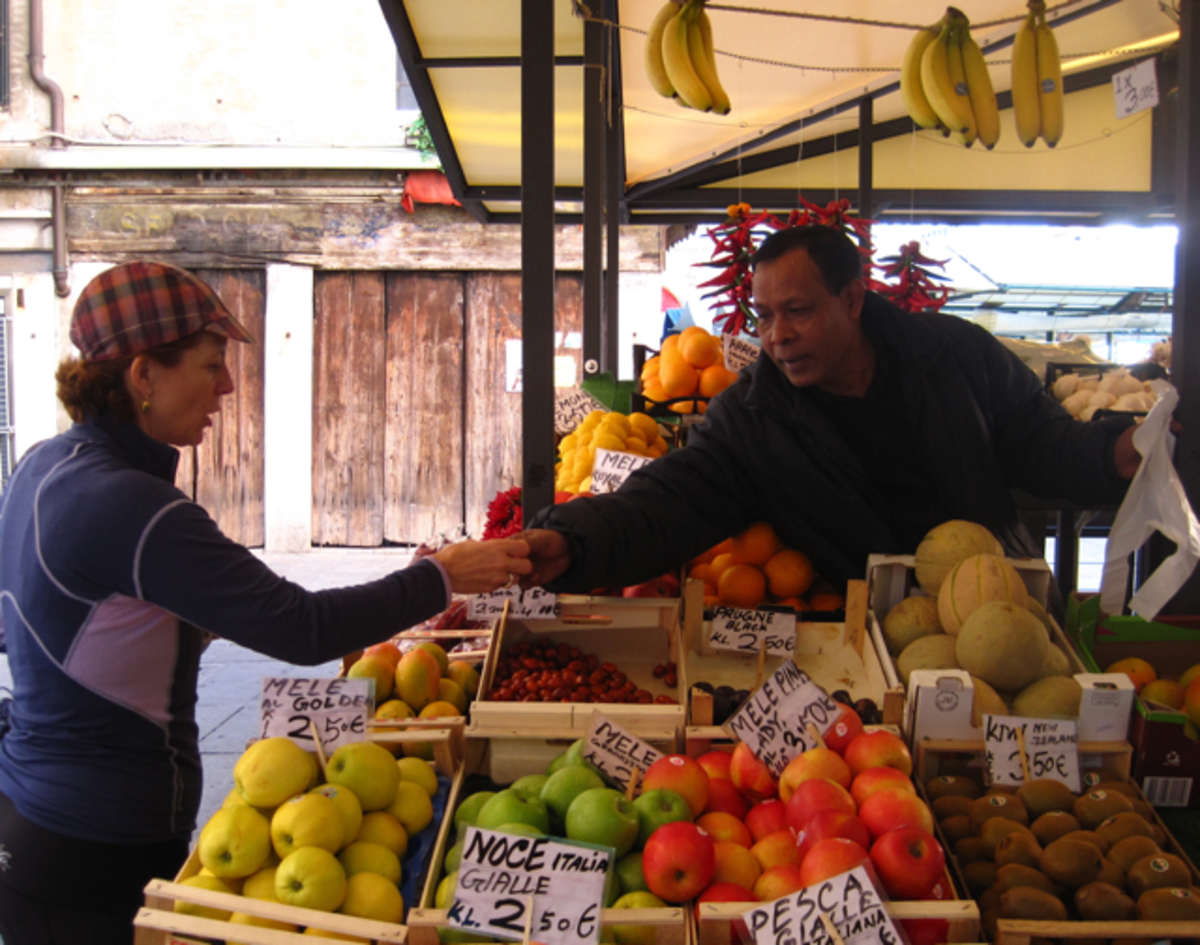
141,305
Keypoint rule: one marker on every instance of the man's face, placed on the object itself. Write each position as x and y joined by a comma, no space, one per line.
813,336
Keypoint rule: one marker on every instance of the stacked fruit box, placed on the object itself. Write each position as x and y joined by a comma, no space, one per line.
1047,864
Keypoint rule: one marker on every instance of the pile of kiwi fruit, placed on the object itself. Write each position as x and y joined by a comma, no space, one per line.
1045,853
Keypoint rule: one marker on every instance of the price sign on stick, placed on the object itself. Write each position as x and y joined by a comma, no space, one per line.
1135,89
507,884
612,468
744,631
571,405
774,721
616,752
1017,750
848,902
739,352
338,709
532,604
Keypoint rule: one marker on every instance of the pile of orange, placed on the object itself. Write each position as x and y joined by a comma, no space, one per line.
690,364
754,568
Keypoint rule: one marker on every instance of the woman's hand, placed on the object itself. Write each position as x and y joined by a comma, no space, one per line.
476,567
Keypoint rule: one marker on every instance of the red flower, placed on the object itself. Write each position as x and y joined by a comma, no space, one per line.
505,516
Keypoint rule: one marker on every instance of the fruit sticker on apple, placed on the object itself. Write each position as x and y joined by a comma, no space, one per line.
338,708
848,901
503,877
616,752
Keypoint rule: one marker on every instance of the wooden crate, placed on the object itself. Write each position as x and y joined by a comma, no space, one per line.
671,924
636,634
837,655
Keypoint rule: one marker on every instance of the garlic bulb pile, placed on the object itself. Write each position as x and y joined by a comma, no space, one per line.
1083,394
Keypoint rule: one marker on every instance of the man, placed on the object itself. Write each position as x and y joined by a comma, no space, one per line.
859,429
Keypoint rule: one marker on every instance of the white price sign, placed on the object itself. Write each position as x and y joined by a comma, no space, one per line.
571,405
531,604
612,468
743,631
503,878
1051,748
617,752
775,719
849,902
1135,89
739,352
340,709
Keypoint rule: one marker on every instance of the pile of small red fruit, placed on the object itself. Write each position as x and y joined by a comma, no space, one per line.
848,804
545,671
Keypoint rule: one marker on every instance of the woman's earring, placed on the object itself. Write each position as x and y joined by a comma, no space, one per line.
145,406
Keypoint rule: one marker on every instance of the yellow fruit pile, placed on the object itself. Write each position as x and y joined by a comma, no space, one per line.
636,433
690,364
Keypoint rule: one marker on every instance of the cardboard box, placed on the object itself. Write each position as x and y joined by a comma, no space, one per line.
1167,761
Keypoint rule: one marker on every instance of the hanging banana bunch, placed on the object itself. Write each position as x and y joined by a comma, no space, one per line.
1037,92
681,59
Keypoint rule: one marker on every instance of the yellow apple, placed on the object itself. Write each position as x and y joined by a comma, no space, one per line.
211,883
371,896
362,856
242,918
418,771
235,842
383,828
261,885
272,770
446,890
366,769
233,882
411,806
309,820
349,805
312,878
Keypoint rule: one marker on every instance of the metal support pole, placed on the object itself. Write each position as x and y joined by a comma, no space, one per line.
866,158
594,142
614,190
537,255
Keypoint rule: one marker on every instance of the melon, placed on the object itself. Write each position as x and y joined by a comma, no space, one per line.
948,544
932,652
1003,644
985,702
1054,696
975,581
912,618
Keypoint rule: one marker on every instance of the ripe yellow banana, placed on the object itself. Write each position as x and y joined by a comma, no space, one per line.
655,71
937,84
958,77
704,60
915,102
979,87
1027,109
1050,90
677,59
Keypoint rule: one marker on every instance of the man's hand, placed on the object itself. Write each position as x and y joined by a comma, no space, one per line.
1126,456
549,554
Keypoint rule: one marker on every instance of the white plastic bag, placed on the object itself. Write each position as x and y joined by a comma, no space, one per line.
1155,501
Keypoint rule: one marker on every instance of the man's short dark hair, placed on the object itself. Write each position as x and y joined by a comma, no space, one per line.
833,252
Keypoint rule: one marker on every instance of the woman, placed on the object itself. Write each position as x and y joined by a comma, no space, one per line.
109,580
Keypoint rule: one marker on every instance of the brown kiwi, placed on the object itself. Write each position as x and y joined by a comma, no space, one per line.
1112,874
989,899
1014,875
1050,827
996,829
1169,903
1121,787
1156,872
1128,851
1024,902
951,785
956,828
952,805
1143,809
1100,902
979,876
1158,835
1088,836
1072,863
1001,789
1043,796
1018,847
1096,806
1123,825
998,805
970,849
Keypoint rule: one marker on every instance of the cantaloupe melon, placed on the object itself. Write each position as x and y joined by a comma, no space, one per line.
931,652
1054,696
986,702
912,618
975,581
948,544
1003,644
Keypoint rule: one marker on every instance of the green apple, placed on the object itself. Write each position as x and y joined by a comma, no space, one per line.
575,755
520,830
311,878
446,890
629,872
362,856
453,858
349,805
636,934
309,820
603,816
235,842
658,807
612,889
559,762
469,809
513,807
566,784
272,770
531,784
367,769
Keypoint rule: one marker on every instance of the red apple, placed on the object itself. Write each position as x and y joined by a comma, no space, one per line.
766,818
942,891
716,763
722,826
926,931
751,776
779,881
814,796
909,861
878,749
834,823
877,779
666,585
560,497
776,849
844,730
680,774
728,892
831,857
810,765
890,809
678,861
724,797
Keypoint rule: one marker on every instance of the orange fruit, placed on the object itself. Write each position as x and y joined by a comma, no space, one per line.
678,378
690,406
705,557
742,586
710,598
651,368
796,603
653,390
828,600
714,379
722,548
789,573
755,545
699,571
700,350
670,344
718,565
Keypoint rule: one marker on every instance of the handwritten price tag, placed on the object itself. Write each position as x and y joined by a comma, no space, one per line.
743,631
739,352
773,721
571,405
616,752
533,604
1135,89
340,708
500,874
849,901
612,468
1051,750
